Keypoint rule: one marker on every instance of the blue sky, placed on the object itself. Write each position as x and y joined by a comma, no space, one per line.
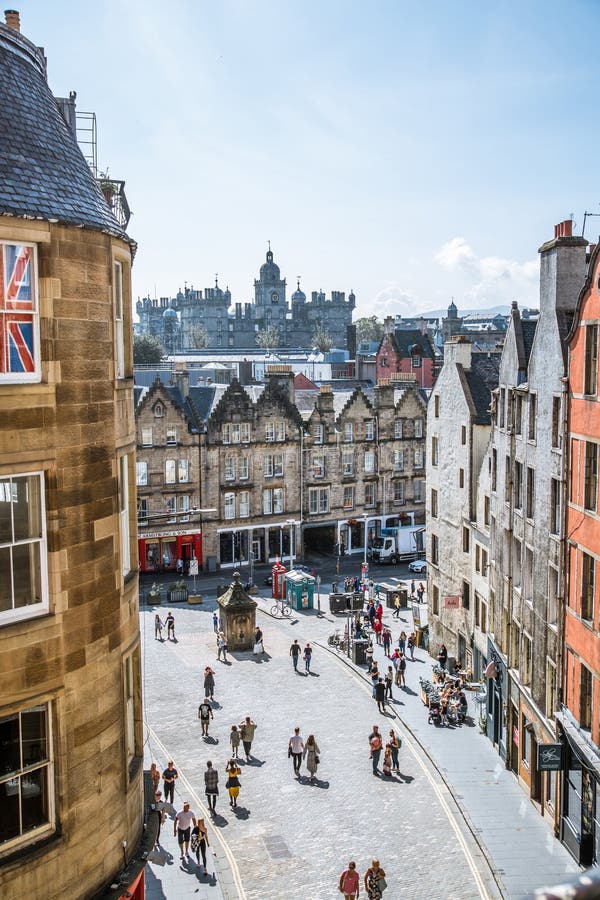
412,152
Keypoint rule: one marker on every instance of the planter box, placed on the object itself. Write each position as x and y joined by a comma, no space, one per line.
194,599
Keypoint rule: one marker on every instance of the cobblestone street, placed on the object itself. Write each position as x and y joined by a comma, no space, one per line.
289,837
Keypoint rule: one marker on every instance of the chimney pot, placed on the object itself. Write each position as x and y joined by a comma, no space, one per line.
12,19
564,229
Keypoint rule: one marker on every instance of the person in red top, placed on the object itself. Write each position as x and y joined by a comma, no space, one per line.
349,882
377,628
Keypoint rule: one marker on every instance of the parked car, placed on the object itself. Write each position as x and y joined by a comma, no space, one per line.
419,566
297,567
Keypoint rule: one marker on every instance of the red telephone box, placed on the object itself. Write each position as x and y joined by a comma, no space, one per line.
278,581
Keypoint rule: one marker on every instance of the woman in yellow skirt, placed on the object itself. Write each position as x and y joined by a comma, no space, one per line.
233,781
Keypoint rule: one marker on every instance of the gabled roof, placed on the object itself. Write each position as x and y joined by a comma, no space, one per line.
478,384
43,174
404,343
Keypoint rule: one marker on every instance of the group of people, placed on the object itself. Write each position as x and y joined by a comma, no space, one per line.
374,881
296,651
183,820
309,751
159,625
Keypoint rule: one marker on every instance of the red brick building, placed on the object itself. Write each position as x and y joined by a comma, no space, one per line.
579,719
408,351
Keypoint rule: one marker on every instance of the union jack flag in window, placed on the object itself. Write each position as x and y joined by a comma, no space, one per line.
18,313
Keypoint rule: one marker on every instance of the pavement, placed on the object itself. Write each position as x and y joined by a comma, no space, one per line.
454,824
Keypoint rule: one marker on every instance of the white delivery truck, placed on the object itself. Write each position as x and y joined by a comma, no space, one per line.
399,543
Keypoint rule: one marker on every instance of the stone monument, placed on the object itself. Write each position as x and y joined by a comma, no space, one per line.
238,615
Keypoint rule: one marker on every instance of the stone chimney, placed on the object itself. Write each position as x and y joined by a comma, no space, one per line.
12,19
283,376
388,325
458,351
562,269
182,379
325,399
384,394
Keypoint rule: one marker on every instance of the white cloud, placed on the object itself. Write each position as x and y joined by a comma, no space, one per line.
488,280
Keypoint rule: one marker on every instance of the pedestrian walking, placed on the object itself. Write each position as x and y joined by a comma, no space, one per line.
387,641
205,714
379,610
389,680
372,589
170,622
155,776
350,882
386,766
211,786
396,606
180,567
442,656
158,627
402,670
395,662
247,729
377,628
421,591
412,640
380,695
374,675
170,776
258,642
395,744
159,808
375,745
311,755
371,613
234,740
221,647
215,623
402,642
233,781
295,750
307,658
369,656
209,682
182,826
200,842
375,883
412,589
295,651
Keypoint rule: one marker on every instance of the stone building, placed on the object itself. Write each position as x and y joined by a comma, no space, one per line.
178,321
70,710
273,471
458,432
527,472
579,715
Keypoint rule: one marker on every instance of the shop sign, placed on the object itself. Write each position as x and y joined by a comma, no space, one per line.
550,757
451,602
147,535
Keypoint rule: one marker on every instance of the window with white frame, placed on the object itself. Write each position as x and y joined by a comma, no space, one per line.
171,503
418,428
269,432
347,462
229,502
243,468
318,465
244,501
398,429
418,458
398,460
416,361
183,507
23,587
278,500
278,465
369,461
147,440
19,322
133,706
170,471
171,435
348,496
369,430
226,433
183,471
398,492
236,434
124,514
141,473
280,431
318,434
348,432
272,501
245,432
370,493
318,500
119,324
26,777
230,468
418,490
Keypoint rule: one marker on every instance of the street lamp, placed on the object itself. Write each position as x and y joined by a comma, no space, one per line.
201,511
291,523
365,520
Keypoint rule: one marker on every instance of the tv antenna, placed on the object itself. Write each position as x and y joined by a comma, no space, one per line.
587,215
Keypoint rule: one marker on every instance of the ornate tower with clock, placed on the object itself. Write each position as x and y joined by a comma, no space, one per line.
269,295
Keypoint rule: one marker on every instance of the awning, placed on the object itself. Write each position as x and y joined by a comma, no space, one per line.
584,751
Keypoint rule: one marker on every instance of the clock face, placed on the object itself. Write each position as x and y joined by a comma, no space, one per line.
274,297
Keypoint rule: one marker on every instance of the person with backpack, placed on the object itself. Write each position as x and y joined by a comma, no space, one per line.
401,670
200,842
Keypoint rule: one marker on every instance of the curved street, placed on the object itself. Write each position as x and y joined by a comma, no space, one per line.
291,838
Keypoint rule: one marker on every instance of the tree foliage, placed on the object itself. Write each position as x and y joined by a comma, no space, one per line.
321,339
369,328
268,338
199,338
147,350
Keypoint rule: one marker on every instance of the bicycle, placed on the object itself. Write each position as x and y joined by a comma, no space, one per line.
284,610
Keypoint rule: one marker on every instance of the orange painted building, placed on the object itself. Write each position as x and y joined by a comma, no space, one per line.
579,720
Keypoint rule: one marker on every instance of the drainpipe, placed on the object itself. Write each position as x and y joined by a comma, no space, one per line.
562,579
301,430
510,482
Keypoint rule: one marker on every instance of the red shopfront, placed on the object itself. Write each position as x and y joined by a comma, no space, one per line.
159,553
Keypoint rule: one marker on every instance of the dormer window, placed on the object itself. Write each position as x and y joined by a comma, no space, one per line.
416,361
318,434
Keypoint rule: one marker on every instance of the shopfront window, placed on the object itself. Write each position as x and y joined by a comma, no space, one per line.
169,553
573,810
152,556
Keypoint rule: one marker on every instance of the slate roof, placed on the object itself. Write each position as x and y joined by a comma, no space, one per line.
43,174
528,327
404,340
481,380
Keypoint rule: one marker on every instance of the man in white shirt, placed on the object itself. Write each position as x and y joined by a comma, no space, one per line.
182,827
296,746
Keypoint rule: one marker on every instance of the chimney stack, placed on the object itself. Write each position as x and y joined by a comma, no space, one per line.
564,229
12,19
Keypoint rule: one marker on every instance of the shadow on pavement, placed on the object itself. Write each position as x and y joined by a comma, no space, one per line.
241,812
209,739
318,782
218,820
